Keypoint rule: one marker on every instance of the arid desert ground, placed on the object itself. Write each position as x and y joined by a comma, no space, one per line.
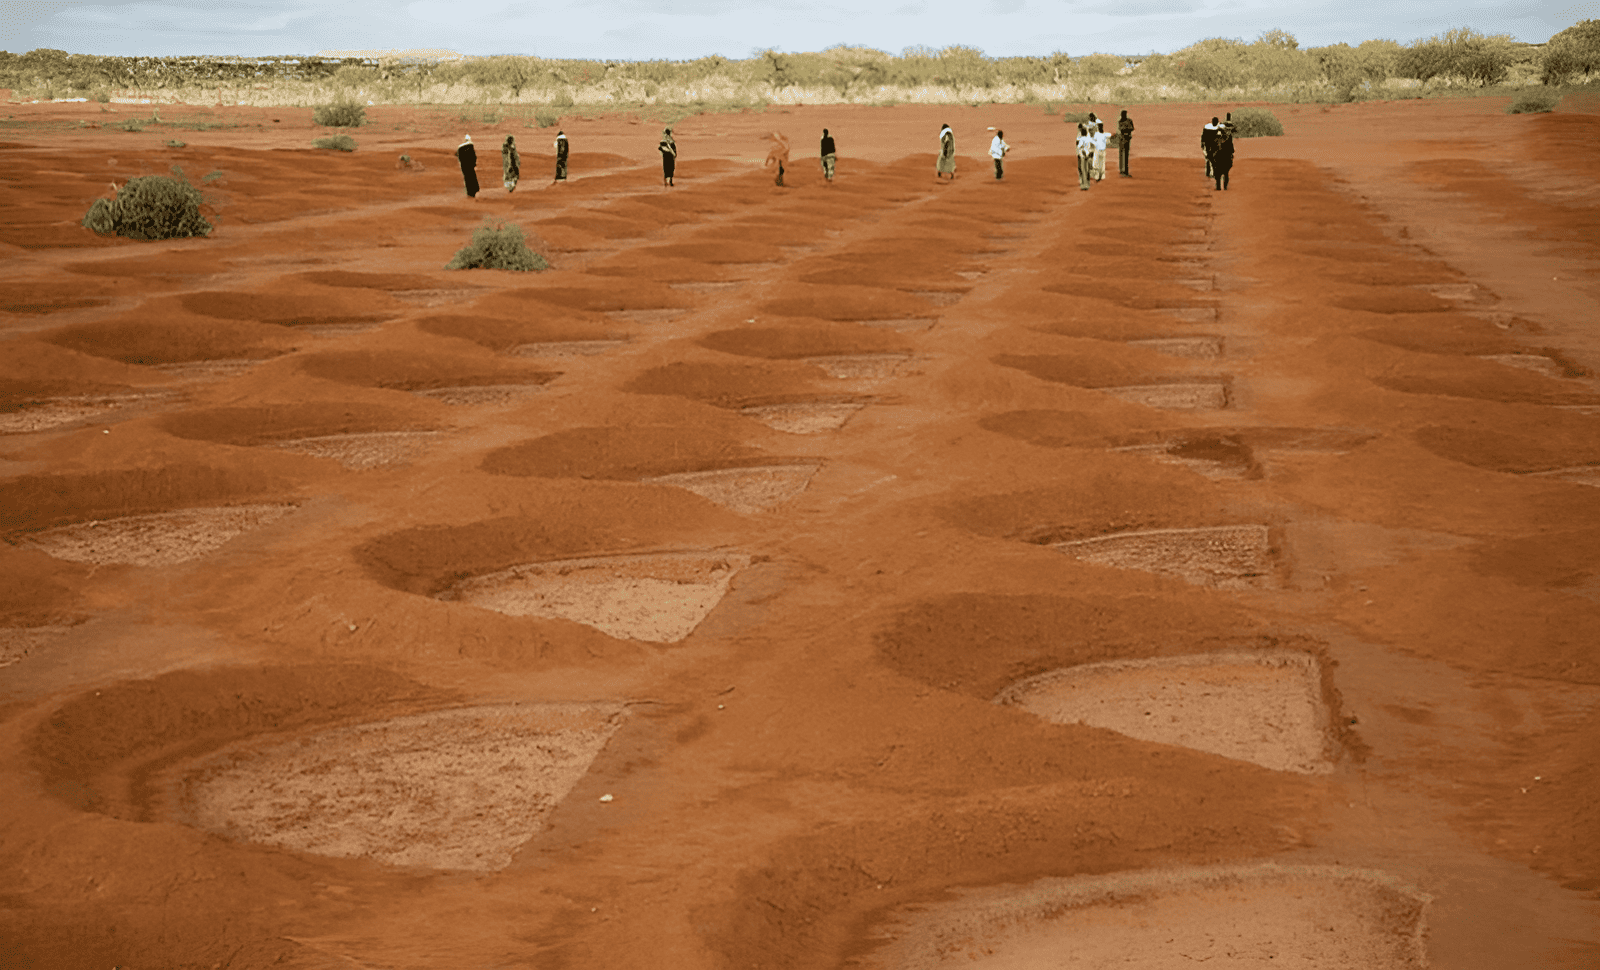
884,574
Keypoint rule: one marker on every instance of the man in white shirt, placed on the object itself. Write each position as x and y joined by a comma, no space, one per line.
997,151
1085,157
1101,140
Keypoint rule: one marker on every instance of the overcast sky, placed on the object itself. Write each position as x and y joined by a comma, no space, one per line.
683,29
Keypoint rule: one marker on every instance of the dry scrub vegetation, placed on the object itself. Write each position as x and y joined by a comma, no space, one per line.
537,91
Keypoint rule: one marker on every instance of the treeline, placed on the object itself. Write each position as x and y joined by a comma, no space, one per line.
1272,67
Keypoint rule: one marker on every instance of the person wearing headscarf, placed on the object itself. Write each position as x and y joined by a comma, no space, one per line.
561,156
1124,136
1085,157
997,151
830,155
468,154
778,153
1222,158
1208,142
947,154
510,163
669,155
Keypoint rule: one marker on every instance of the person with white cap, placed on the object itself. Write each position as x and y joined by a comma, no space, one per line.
561,156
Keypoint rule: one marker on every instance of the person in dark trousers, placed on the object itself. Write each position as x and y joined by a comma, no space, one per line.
669,156
468,154
1124,136
997,151
830,155
510,164
561,156
1208,142
1222,158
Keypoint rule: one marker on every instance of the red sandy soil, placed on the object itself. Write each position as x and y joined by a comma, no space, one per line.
824,748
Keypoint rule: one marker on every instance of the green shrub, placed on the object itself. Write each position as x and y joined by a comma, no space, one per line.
343,114
132,124
546,117
1075,117
103,96
1533,102
340,142
151,207
498,247
175,143
1255,123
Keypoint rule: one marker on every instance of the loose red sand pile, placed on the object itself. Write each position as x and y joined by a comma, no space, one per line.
355,612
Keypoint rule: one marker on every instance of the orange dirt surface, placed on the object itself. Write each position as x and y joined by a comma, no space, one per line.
940,441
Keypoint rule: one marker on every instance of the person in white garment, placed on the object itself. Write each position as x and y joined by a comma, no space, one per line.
997,151
1085,157
1101,141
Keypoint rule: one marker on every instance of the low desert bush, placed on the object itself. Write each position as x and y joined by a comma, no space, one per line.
498,247
1075,117
1255,123
1533,102
344,114
151,207
546,116
175,143
340,142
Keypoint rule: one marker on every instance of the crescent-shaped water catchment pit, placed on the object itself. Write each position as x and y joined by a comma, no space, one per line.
1221,556
453,789
653,597
1264,707
1242,917
747,490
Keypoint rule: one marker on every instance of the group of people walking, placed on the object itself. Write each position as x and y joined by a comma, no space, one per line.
510,162
1093,141
1216,143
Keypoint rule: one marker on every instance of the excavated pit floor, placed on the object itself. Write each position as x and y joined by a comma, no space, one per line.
1193,348
877,367
1226,557
363,451
60,411
1228,917
745,490
454,789
1190,396
657,597
1264,708
162,539
804,418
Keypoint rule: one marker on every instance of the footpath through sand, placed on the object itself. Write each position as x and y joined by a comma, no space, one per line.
884,574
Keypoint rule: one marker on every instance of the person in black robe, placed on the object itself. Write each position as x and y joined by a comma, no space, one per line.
1222,159
669,155
561,156
468,154
830,155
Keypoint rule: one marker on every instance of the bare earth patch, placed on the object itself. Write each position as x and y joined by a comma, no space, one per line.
859,366
1224,556
745,490
1238,917
363,451
803,418
658,598
567,348
478,394
17,642
1197,348
1264,708
1197,396
60,411
163,539
457,789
